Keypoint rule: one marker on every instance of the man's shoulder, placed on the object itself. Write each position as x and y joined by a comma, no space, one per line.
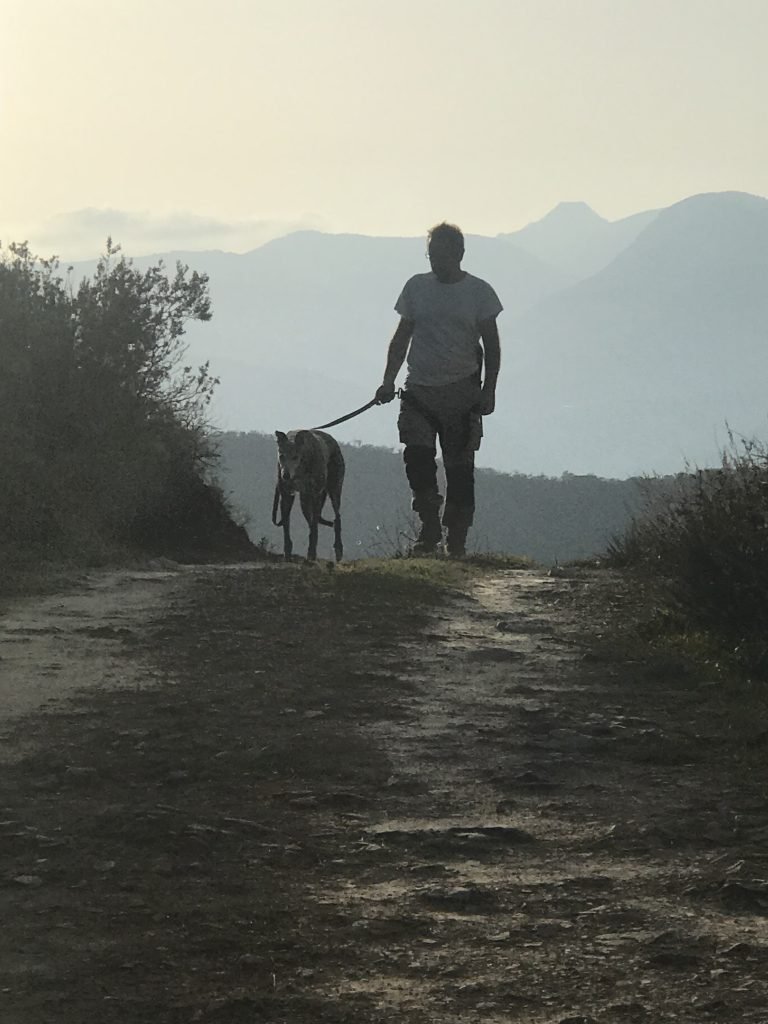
419,280
414,295
478,282
485,296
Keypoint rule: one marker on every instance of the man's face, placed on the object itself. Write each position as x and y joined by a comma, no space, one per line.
443,258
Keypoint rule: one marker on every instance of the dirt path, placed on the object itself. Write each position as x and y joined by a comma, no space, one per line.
53,647
301,796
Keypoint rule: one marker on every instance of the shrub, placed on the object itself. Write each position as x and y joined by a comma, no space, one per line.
706,535
103,437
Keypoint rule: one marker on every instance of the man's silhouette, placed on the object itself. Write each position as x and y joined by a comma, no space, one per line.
447,330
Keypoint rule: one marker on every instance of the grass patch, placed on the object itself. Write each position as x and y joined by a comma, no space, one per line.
712,703
491,561
418,578
430,575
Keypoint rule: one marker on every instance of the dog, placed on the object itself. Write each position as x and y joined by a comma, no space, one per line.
310,463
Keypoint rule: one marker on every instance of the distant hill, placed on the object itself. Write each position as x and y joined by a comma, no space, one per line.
545,519
641,365
576,240
614,370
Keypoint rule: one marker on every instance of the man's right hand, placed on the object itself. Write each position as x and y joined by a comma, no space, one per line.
385,394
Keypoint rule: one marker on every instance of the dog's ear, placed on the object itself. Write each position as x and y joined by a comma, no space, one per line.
281,436
301,438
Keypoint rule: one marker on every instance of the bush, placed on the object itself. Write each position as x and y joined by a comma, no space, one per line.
103,436
706,536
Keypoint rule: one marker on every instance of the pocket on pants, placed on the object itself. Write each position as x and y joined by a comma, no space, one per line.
475,433
413,427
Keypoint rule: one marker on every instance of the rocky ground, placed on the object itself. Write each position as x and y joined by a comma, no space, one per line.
394,792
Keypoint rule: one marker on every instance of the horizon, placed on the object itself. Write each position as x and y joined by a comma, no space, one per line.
185,124
275,232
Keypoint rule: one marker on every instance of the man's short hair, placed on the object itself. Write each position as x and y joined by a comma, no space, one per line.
449,236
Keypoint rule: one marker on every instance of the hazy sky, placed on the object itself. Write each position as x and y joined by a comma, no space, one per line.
220,122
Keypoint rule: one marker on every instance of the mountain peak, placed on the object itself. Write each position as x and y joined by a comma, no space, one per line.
575,239
575,210
569,218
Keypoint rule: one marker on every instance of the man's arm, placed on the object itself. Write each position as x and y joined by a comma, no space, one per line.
489,332
398,348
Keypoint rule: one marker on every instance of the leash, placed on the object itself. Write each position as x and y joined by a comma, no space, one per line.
349,416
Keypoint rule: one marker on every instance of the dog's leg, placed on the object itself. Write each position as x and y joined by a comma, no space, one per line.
286,504
311,514
337,545
321,506
312,546
335,484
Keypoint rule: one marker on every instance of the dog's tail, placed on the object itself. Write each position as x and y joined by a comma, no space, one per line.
320,520
276,502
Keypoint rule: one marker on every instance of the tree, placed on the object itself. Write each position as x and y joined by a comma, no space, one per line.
130,326
102,424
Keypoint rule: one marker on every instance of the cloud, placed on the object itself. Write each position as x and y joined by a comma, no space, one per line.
82,234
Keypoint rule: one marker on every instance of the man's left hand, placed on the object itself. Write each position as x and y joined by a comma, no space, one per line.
487,403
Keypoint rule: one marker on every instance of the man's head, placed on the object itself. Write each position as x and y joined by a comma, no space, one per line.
445,249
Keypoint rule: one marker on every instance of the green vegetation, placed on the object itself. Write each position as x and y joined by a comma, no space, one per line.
427,577
703,538
103,442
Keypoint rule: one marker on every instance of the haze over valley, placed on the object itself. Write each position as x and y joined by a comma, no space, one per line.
629,346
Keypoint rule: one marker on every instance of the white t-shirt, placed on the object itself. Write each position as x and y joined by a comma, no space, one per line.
446,334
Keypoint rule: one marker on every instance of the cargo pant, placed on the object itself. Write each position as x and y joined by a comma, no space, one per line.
448,413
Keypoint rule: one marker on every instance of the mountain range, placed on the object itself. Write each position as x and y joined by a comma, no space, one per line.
629,347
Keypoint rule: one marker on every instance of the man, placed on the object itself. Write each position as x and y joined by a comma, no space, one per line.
444,317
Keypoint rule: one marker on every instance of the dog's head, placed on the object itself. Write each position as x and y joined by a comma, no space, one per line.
291,451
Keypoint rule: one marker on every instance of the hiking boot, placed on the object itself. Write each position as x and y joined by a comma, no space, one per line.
457,541
423,550
431,533
427,505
